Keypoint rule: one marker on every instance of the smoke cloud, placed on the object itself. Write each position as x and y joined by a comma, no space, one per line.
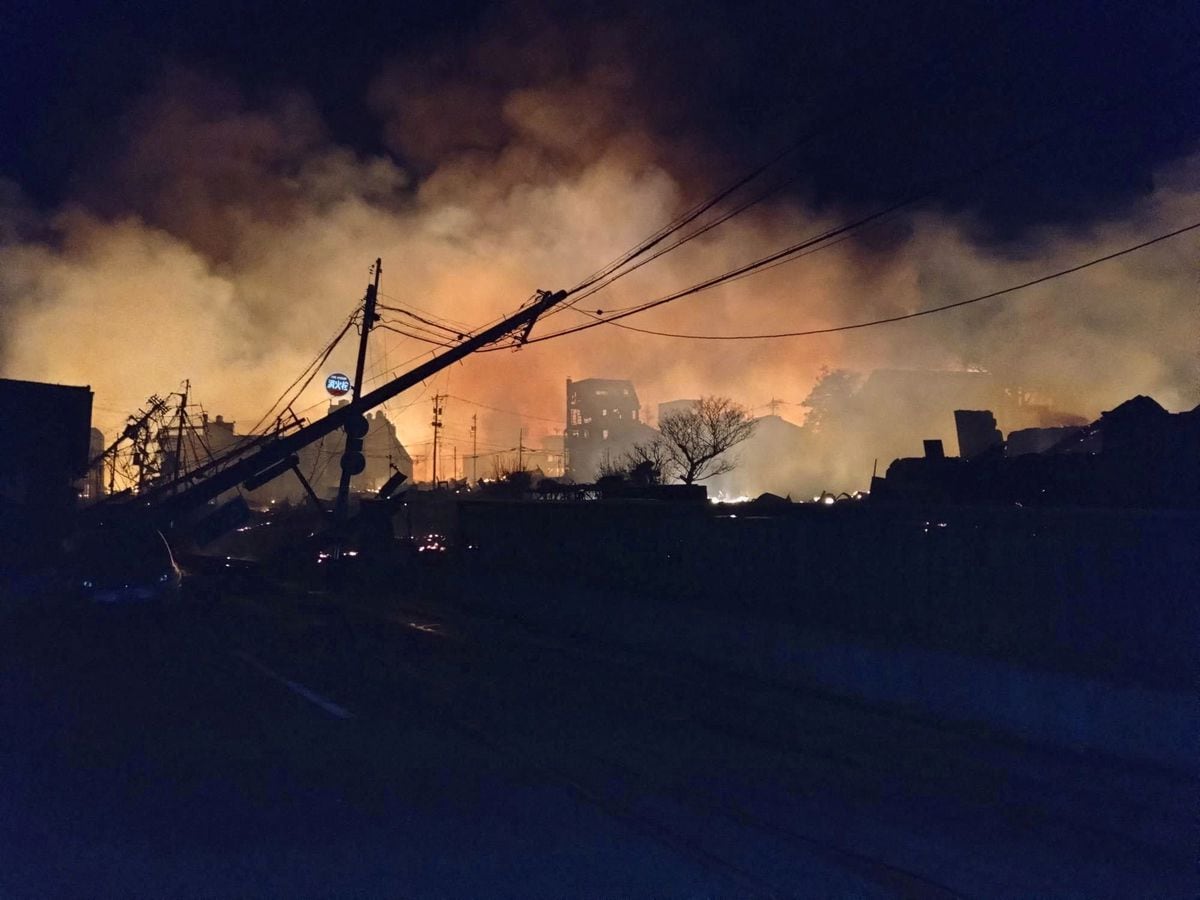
227,237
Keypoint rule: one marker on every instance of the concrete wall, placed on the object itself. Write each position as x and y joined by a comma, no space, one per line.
1075,629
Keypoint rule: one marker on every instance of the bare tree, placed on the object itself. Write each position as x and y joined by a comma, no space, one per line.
694,440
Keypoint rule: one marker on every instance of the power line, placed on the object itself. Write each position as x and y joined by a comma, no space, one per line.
433,332
416,333
817,248
510,412
408,304
459,333
836,235
703,229
913,315
391,370
822,125
680,222
787,253
310,370
416,337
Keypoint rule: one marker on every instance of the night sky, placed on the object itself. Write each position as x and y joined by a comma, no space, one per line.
946,82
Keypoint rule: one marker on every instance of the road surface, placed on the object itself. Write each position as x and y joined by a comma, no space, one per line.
389,744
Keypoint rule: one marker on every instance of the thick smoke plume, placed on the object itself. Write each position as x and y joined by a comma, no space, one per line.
226,239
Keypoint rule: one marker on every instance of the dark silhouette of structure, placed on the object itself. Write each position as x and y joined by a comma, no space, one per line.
44,446
1039,440
603,421
1135,456
92,487
977,432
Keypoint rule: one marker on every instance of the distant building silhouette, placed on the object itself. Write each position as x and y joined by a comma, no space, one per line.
218,434
320,462
603,421
550,457
1136,455
543,462
765,462
977,432
898,405
674,406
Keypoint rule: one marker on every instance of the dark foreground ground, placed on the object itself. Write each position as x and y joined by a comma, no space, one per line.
266,745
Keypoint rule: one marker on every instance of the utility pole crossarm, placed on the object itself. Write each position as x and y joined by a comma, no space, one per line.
542,298
235,474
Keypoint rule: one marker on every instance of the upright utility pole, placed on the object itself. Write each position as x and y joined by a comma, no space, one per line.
183,399
474,447
353,461
437,426
521,450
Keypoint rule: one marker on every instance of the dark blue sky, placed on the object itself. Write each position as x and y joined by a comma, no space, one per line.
897,93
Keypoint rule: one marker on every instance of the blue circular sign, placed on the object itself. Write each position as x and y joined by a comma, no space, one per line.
338,384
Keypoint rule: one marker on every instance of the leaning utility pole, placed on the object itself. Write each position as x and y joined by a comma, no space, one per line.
264,459
353,461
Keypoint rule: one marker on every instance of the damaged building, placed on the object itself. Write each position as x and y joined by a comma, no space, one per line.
1137,455
603,421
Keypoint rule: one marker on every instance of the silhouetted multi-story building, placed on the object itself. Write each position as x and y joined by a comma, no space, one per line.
603,421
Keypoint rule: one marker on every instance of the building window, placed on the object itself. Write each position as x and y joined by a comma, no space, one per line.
605,433
604,412
576,417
